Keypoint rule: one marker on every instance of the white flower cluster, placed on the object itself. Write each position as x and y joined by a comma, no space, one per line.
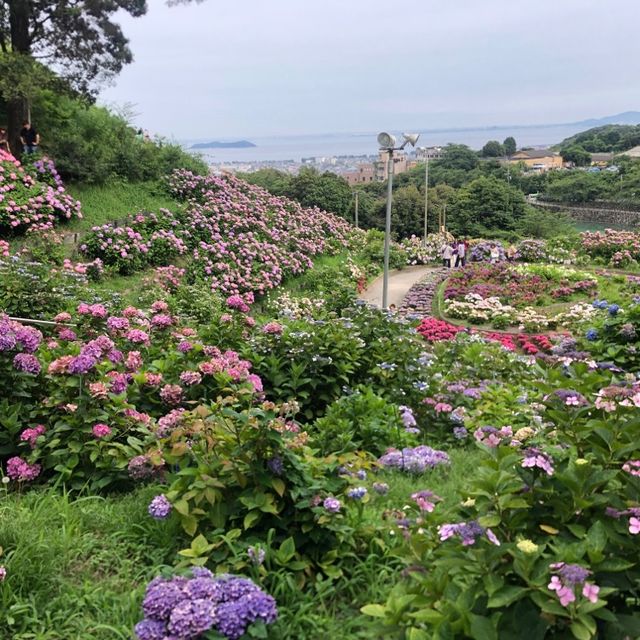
577,314
479,310
286,306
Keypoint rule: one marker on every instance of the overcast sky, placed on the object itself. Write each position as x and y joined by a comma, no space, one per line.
243,68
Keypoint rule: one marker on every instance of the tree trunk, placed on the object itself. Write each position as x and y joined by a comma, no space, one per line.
17,112
18,108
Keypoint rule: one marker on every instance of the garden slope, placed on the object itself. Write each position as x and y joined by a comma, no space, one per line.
233,235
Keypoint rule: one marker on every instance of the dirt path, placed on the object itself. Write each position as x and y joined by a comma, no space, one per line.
400,282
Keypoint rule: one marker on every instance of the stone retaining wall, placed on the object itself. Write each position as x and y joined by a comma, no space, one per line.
595,212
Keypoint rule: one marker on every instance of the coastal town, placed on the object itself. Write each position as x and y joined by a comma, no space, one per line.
365,169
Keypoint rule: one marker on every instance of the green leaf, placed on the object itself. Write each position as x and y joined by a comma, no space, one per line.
251,518
597,537
482,628
430,616
579,631
287,550
489,520
417,634
374,610
278,485
506,596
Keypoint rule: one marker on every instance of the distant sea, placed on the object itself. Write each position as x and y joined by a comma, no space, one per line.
282,148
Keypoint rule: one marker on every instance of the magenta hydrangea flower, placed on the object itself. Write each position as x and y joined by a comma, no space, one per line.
31,435
101,431
20,470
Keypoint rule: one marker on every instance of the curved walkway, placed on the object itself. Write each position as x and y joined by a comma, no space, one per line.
400,281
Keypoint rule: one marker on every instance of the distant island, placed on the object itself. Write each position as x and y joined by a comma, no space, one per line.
240,144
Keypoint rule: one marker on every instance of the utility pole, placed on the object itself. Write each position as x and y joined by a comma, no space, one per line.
426,194
356,212
387,231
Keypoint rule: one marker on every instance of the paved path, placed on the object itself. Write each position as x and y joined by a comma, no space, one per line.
400,281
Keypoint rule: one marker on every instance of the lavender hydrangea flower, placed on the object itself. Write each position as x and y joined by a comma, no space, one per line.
159,507
331,504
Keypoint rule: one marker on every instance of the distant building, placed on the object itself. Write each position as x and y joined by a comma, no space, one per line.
601,159
363,174
382,165
538,159
429,153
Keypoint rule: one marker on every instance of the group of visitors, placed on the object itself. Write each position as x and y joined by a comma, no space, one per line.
454,254
29,138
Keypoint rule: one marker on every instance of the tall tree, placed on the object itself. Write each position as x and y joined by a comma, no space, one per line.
509,145
493,149
78,39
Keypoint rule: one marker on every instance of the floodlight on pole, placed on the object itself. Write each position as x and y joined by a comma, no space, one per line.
387,143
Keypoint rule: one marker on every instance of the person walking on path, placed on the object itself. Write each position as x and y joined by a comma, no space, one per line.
462,253
447,253
29,137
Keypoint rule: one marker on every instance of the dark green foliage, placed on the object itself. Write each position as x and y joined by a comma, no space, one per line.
576,187
611,137
537,223
509,145
487,203
576,154
493,149
326,190
92,145
458,156
362,420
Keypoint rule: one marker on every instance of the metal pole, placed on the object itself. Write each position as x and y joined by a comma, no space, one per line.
426,195
444,218
356,209
387,233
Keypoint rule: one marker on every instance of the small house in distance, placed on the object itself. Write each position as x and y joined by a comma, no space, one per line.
601,159
538,159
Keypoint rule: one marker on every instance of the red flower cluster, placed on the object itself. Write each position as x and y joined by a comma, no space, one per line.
433,330
530,344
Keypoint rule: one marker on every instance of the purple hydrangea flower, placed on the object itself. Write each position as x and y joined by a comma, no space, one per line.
27,363
159,507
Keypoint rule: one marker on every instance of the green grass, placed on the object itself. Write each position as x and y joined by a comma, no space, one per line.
115,201
77,567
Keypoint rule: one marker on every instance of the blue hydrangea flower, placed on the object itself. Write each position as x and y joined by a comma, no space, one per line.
613,309
357,493
591,334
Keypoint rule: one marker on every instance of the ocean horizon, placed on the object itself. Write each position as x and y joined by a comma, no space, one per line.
296,147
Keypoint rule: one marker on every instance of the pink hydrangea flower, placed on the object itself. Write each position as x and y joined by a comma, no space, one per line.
101,431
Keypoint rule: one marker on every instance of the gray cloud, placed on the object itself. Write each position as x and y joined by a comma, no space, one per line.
251,67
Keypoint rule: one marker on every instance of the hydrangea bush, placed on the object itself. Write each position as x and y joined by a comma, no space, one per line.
32,196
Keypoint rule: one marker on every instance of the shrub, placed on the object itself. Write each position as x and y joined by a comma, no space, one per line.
360,420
